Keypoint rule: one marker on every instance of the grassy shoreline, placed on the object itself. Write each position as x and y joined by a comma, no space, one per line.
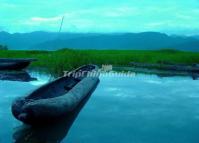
66,59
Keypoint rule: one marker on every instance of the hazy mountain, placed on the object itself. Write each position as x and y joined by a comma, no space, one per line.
142,41
28,40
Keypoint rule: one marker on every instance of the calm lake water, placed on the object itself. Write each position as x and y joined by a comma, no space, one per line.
139,109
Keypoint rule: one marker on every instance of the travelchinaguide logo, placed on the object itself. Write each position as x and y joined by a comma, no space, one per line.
104,71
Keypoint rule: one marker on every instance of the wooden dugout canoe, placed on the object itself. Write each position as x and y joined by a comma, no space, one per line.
57,98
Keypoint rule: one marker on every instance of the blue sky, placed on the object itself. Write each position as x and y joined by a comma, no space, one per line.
169,16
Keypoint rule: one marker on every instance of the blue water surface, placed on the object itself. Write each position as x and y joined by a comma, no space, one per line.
139,109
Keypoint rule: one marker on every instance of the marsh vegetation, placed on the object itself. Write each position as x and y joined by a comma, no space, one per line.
67,59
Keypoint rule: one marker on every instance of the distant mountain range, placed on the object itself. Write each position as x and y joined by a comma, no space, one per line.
140,41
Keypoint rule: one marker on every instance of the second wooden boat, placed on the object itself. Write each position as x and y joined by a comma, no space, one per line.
14,64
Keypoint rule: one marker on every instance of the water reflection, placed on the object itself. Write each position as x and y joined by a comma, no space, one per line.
23,76
194,76
159,73
140,109
53,133
9,90
146,108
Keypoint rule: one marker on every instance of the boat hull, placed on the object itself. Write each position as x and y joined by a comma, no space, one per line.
14,64
45,110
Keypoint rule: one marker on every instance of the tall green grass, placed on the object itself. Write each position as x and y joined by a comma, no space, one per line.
66,59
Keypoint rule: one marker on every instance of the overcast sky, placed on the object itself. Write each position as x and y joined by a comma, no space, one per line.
169,16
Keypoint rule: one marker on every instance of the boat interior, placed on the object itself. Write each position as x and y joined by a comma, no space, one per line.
60,86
